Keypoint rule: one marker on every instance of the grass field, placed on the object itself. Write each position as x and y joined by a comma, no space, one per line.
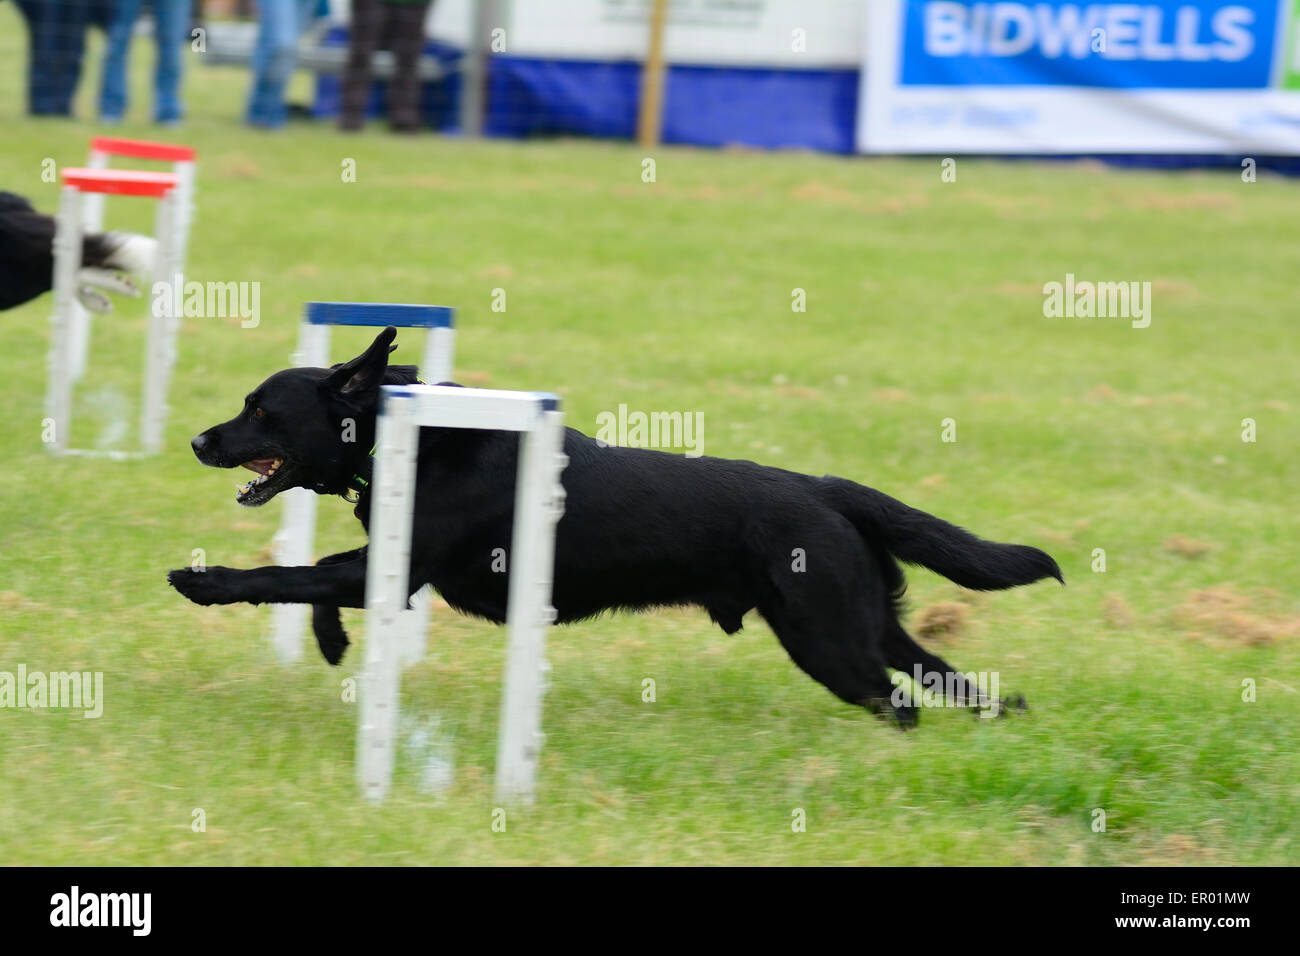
924,302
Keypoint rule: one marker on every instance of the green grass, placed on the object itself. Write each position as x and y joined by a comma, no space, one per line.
924,303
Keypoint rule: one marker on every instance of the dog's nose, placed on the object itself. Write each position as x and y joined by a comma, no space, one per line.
198,443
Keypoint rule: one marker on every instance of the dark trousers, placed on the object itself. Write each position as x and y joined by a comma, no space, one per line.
56,32
394,26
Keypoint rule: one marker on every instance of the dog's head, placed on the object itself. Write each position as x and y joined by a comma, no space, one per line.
305,427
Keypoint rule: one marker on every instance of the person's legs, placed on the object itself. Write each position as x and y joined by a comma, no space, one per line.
113,84
364,31
280,24
171,30
406,22
272,61
31,11
101,13
58,33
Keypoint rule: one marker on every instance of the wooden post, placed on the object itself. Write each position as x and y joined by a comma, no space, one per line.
474,69
650,122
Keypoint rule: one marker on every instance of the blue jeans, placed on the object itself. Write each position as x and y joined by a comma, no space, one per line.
280,24
56,37
171,30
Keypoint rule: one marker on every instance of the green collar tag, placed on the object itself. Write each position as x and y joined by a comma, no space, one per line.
358,483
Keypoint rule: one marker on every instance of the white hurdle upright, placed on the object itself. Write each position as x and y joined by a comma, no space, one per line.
184,161
539,503
293,544
161,345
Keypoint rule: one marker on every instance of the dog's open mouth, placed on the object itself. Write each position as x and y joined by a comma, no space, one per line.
272,478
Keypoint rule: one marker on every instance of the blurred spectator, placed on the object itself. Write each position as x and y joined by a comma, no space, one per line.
171,29
56,32
397,25
280,24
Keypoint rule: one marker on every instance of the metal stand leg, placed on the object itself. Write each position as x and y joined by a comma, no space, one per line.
185,182
435,367
92,221
67,263
294,543
160,349
293,546
439,349
387,589
539,498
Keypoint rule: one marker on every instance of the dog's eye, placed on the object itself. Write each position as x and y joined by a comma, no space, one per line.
259,412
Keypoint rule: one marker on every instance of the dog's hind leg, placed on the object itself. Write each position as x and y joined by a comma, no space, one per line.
902,653
823,609
834,653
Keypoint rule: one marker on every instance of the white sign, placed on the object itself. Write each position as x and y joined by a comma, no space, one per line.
1165,76
777,33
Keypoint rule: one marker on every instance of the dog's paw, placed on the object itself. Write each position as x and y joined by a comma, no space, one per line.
1002,706
203,585
905,716
330,635
1014,702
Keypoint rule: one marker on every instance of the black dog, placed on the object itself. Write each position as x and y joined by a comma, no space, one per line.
815,556
27,258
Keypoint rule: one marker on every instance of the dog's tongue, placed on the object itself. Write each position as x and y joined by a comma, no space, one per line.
261,465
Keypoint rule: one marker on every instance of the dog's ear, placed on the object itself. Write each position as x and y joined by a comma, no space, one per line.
366,371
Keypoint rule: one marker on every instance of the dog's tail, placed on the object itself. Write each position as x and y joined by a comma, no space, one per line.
919,538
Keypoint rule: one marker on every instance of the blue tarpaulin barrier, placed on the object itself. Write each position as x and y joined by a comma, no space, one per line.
703,106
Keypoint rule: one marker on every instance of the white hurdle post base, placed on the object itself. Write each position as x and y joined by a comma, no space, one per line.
92,221
164,324
293,543
67,336
539,503
184,161
67,263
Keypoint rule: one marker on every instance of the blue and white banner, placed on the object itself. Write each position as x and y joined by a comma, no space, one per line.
1047,76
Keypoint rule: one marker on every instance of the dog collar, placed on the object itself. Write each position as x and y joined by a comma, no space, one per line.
356,482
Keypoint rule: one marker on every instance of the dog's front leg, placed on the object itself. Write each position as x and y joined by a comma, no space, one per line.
341,585
325,621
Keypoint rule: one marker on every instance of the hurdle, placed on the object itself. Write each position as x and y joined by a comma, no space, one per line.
293,543
160,352
539,503
184,166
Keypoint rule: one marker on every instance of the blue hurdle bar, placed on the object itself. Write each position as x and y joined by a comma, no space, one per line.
381,314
